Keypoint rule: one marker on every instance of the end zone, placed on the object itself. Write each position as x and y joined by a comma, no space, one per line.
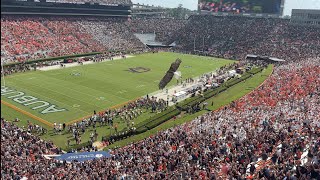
27,113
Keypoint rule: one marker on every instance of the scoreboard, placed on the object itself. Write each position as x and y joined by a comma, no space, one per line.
241,6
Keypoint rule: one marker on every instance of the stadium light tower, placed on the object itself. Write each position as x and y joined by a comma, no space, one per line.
282,7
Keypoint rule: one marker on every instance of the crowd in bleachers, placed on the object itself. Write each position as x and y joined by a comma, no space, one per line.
113,34
22,153
26,38
272,133
279,120
29,38
236,36
163,28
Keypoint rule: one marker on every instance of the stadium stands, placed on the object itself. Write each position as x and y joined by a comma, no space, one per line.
29,38
163,28
21,152
271,133
112,34
235,36
275,128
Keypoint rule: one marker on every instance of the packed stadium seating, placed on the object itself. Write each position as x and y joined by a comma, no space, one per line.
163,28
28,38
275,128
234,37
114,34
271,133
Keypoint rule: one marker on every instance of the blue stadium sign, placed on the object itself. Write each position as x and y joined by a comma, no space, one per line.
81,157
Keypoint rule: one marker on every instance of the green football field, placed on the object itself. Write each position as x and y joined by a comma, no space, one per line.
67,94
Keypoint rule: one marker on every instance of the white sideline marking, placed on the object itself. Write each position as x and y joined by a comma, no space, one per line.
68,65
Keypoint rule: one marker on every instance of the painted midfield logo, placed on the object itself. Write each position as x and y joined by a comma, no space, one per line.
139,70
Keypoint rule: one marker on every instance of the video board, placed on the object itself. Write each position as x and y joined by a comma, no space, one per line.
241,6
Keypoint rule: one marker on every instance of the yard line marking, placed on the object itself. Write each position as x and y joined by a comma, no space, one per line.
27,113
87,63
51,98
79,119
109,94
87,94
61,94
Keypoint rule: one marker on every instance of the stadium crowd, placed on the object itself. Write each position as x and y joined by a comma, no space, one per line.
112,117
235,37
29,38
163,28
22,152
271,133
112,34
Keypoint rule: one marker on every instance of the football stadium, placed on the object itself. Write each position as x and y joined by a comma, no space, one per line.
119,89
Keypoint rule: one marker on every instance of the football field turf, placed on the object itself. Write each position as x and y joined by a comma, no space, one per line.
67,94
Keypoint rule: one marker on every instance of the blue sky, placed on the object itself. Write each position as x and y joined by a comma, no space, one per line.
192,4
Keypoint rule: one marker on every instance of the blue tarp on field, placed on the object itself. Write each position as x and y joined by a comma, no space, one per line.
83,156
